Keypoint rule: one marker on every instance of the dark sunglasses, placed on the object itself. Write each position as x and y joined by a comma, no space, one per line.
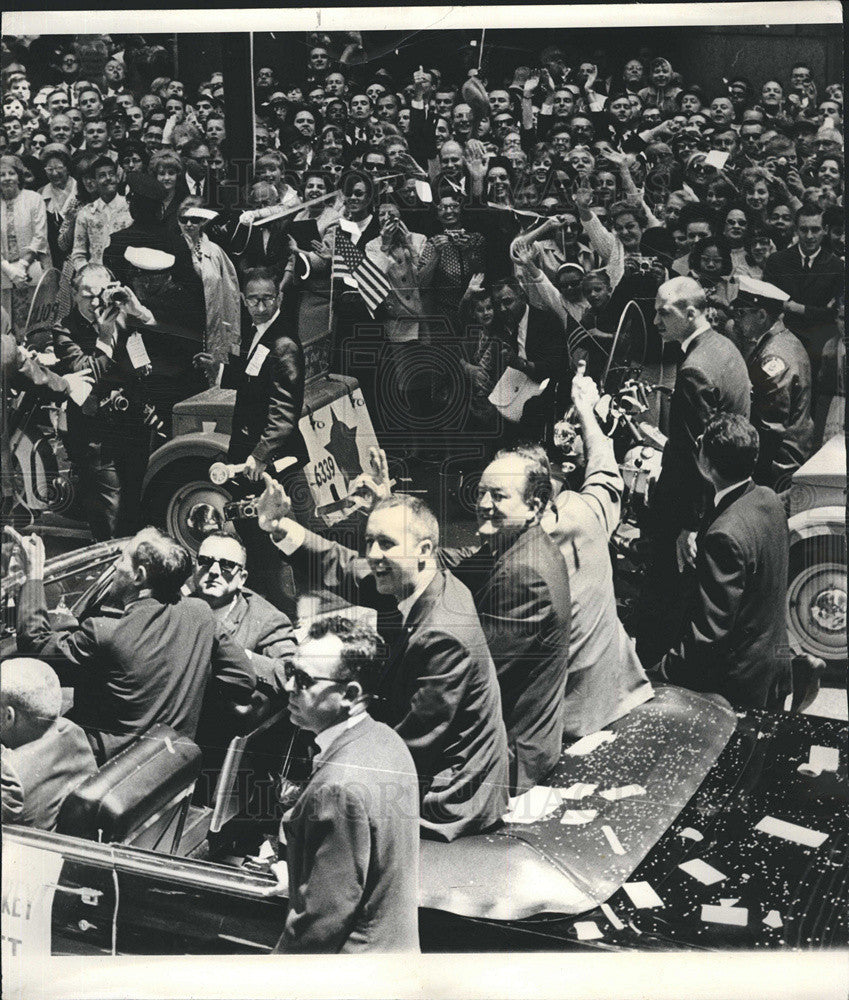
227,566
304,680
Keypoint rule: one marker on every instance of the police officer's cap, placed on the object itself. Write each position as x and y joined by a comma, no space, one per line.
753,292
148,259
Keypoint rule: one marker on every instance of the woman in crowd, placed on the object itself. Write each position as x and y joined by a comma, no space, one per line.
710,264
58,193
166,166
757,246
23,240
218,276
449,259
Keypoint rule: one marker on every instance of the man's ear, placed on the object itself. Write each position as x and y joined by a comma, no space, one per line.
353,692
140,576
7,717
426,548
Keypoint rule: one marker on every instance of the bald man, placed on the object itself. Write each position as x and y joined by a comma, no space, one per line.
44,756
712,379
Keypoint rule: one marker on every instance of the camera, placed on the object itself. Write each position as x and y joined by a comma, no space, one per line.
240,510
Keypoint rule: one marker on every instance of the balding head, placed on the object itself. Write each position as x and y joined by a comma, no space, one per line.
30,700
679,308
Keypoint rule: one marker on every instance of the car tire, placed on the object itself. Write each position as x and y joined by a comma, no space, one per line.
175,491
816,599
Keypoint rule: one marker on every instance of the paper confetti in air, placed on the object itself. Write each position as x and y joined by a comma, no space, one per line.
577,817
701,870
642,895
607,910
729,902
580,790
535,804
625,792
690,834
773,919
613,840
736,916
790,831
587,930
586,744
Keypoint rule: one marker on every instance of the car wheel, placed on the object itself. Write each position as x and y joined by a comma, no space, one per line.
185,504
816,598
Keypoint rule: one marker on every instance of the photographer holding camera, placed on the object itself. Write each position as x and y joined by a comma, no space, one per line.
109,434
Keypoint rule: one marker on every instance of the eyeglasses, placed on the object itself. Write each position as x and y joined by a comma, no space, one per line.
190,220
227,566
258,300
304,680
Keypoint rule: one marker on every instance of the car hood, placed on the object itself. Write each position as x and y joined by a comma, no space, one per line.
666,746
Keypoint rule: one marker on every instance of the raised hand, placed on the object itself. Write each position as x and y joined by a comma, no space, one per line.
273,507
531,83
475,283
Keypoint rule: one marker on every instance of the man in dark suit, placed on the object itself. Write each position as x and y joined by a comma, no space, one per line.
813,278
44,757
712,378
248,619
540,342
735,642
268,376
439,690
152,664
352,837
521,589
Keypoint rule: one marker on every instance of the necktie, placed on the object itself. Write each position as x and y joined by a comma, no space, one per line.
806,263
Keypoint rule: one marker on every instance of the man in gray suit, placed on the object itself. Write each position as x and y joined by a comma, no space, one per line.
352,837
44,757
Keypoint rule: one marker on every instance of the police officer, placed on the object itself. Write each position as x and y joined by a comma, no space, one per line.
109,435
780,373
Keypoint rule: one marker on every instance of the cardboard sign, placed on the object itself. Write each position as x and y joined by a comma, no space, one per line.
44,308
256,360
512,391
30,876
338,437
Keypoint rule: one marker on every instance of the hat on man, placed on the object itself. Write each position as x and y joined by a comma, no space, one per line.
760,294
142,185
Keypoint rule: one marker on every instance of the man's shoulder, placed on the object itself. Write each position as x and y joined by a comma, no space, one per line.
713,352
261,610
757,511
446,609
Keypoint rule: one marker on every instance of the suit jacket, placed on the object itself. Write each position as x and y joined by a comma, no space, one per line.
353,862
268,404
816,290
605,679
736,641
38,776
525,609
780,373
439,690
150,665
267,633
712,378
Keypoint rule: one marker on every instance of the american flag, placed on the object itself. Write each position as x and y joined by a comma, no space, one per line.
350,262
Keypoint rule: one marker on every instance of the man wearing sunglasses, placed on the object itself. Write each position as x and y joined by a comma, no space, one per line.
264,632
352,837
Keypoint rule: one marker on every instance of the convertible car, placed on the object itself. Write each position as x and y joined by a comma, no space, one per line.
683,826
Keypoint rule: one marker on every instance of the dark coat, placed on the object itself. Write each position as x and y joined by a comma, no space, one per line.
780,372
150,665
736,641
525,609
712,379
816,290
352,848
439,690
38,776
269,404
267,633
